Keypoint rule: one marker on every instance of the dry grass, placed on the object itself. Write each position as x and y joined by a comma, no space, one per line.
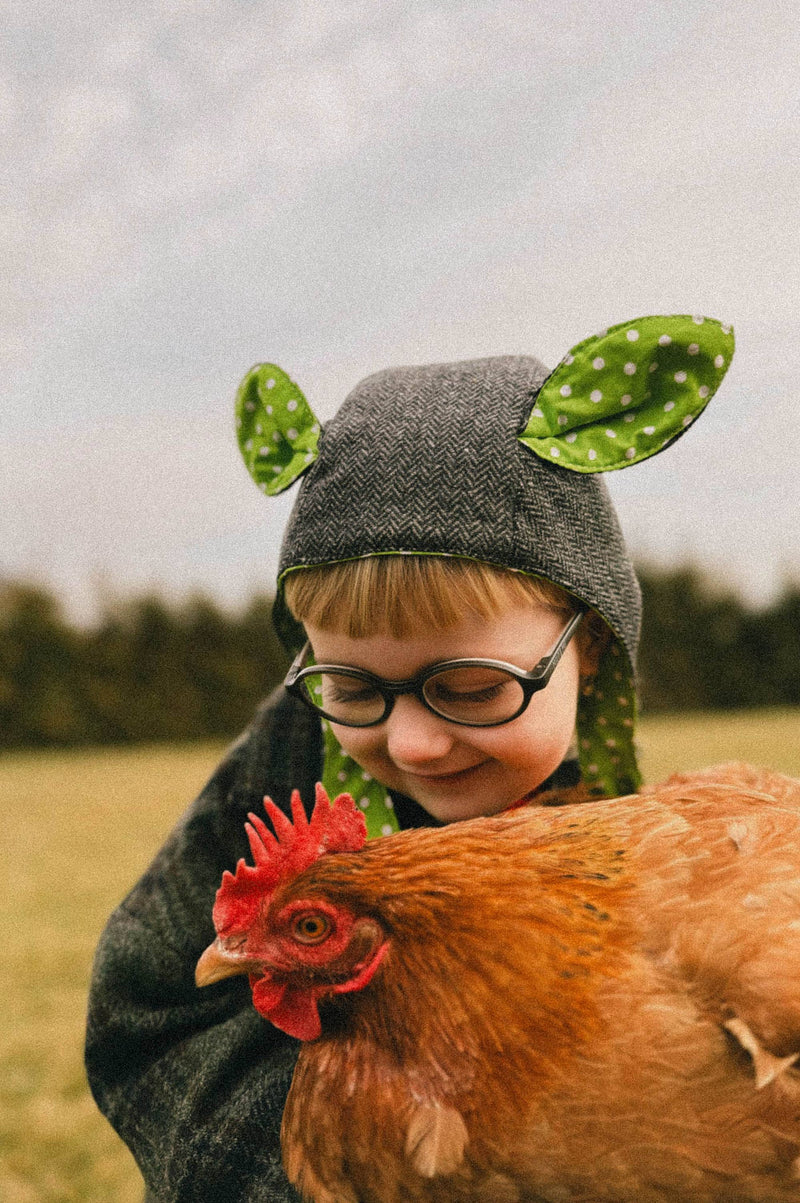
668,743
77,829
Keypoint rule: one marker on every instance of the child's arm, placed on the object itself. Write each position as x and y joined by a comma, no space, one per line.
194,1080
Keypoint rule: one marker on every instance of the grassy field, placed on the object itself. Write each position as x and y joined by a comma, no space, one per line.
77,829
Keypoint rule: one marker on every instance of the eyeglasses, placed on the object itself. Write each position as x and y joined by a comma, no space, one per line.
471,693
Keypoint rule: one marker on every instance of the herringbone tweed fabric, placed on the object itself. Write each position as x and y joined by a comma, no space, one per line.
426,459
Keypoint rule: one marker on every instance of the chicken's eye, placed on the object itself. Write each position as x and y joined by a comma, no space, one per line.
311,927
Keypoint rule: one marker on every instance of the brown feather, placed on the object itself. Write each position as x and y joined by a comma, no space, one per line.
605,995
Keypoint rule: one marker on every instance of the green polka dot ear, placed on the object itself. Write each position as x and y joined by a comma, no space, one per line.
278,434
627,393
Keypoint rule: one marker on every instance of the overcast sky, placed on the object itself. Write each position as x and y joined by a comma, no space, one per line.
190,187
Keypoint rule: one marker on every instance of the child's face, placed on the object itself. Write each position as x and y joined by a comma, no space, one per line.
459,772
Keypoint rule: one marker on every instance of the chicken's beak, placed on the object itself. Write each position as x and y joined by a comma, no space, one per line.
218,962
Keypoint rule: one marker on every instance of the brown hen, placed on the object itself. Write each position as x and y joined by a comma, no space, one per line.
584,1000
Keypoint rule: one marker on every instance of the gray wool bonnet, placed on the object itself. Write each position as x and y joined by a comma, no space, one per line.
494,460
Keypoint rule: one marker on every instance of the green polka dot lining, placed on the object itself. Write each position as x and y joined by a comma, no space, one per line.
605,726
277,431
626,393
341,775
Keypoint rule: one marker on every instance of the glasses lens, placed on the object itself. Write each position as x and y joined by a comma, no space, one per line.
344,698
480,695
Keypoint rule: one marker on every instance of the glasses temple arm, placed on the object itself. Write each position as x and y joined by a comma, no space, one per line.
549,663
297,665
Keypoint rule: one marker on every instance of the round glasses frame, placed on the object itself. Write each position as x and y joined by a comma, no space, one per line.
530,682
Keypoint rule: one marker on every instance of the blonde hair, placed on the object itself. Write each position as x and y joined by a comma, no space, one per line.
396,594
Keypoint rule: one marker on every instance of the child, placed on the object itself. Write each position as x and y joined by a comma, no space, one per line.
455,586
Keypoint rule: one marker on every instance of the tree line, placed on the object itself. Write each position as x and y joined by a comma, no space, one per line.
704,649
146,670
151,670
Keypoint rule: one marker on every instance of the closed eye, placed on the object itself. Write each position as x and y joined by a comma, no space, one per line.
338,693
487,694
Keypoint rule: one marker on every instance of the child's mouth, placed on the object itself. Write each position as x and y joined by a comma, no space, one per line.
443,778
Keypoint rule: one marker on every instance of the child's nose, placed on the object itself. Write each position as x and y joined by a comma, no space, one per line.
414,735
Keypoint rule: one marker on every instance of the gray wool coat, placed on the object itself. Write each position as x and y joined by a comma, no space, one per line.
195,1081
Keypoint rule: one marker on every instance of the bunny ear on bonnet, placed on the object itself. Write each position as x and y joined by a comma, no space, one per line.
278,434
615,399
627,393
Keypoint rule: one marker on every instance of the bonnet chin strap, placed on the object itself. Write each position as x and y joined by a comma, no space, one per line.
606,721
341,774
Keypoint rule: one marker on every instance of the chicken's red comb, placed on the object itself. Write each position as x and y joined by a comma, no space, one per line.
336,826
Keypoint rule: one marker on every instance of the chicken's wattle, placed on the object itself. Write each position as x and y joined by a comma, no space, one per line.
292,1009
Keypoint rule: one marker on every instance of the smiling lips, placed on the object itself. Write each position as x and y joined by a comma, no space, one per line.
442,777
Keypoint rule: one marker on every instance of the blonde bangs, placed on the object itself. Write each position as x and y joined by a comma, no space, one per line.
397,594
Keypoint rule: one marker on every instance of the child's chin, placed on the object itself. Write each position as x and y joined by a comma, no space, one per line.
458,807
